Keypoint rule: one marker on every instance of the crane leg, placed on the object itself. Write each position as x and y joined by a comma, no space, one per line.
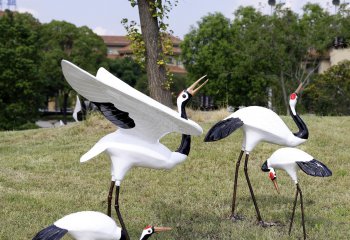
294,205
118,212
109,199
302,210
251,190
234,217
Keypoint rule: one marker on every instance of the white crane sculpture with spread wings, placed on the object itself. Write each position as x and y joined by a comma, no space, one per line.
141,122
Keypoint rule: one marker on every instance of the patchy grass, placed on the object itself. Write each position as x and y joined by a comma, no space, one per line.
41,180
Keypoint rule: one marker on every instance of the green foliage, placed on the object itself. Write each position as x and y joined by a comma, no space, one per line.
329,93
30,69
137,43
127,70
20,84
254,53
80,45
160,10
63,40
225,53
205,51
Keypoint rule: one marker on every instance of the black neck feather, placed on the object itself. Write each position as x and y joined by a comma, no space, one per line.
185,145
183,105
123,235
303,131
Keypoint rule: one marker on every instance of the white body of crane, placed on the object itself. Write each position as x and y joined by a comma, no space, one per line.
137,146
263,124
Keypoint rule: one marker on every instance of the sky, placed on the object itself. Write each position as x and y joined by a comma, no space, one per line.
104,16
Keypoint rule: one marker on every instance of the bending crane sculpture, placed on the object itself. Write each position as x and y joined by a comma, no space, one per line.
142,122
258,124
290,160
90,225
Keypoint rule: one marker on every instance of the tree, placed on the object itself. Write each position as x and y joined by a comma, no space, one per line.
151,44
130,72
256,54
206,50
329,93
288,52
63,40
254,66
20,84
230,54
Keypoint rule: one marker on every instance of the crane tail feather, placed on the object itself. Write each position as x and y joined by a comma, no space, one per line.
50,233
223,129
315,168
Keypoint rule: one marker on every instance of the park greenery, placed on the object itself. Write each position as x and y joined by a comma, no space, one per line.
252,59
153,45
254,54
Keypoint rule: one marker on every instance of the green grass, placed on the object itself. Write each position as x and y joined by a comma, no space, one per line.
41,180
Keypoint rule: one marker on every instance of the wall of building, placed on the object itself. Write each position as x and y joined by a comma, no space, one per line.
335,56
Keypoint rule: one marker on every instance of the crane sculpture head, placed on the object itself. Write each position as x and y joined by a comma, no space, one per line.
272,174
185,96
294,97
149,230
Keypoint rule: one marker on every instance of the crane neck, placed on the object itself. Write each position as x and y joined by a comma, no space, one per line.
185,145
123,235
303,131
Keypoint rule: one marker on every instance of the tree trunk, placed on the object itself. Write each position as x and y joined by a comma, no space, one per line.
156,73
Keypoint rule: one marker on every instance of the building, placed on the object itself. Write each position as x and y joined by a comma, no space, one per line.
337,52
333,57
120,46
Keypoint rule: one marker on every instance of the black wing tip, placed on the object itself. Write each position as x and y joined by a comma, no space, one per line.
315,168
52,232
114,115
223,129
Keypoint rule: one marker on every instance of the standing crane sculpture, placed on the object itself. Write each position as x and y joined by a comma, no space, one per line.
258,124
142,122
90,225
290,160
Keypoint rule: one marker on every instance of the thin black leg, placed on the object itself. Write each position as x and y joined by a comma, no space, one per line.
302,211
251,189
119,214
292,218
233,216
109,199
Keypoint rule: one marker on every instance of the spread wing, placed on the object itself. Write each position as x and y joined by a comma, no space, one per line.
315,168
142,115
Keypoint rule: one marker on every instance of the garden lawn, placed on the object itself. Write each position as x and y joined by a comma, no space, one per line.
41,180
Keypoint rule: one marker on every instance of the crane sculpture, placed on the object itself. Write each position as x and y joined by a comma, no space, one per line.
290,160
90,225
141,123
258,124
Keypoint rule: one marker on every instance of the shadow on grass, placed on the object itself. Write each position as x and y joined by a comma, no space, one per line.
196,224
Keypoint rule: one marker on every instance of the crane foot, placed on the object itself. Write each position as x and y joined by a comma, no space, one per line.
235,218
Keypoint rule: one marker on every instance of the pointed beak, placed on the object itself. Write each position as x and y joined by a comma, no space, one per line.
192,89
161,229
300,87
276,185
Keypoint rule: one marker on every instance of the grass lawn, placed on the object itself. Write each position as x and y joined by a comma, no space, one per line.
41,180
